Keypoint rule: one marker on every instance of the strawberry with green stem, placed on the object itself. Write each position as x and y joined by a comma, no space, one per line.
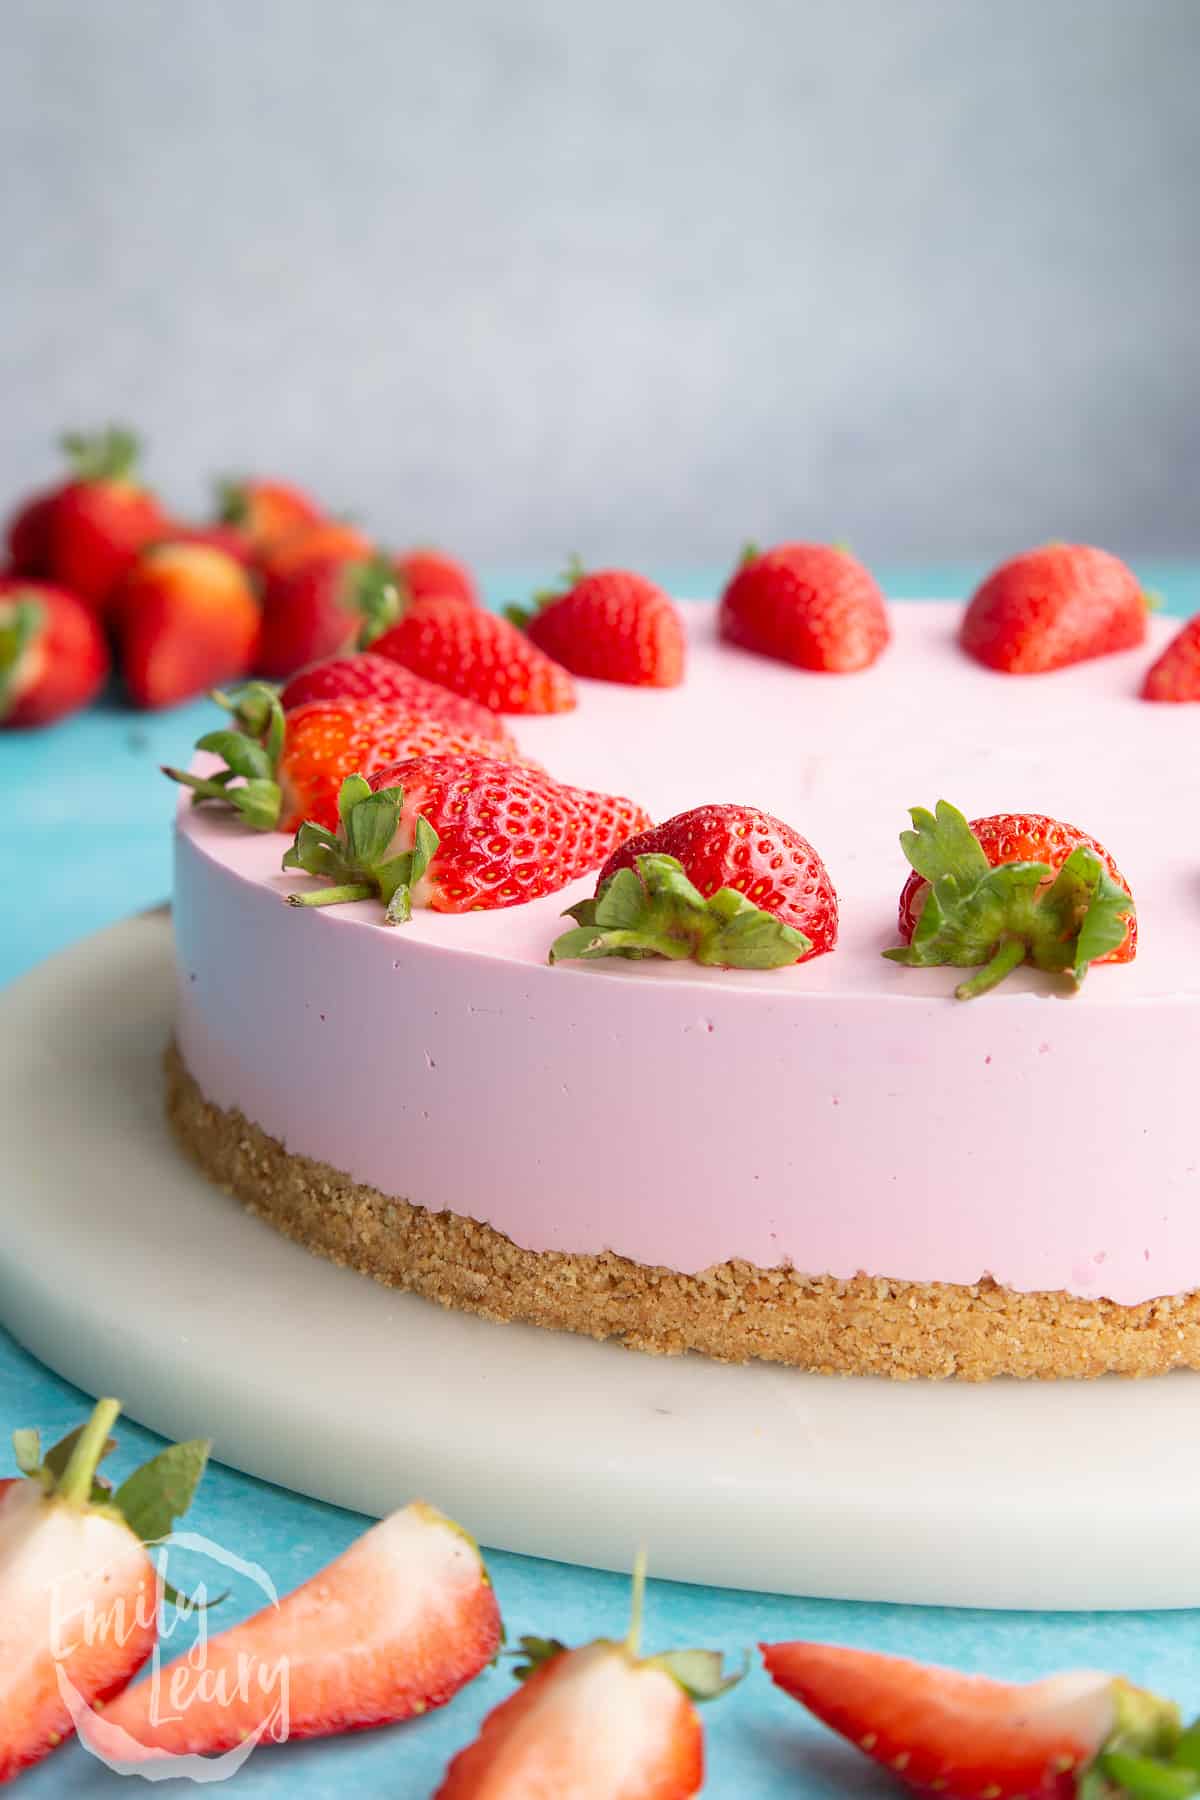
264,511
102,518
53,653
78,1591
1010,889
609,625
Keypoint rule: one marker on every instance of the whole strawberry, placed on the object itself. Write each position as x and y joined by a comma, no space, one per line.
610,625
218,537
53,654
101,518
1008,889
323,609
369,677
186,620
1062,604
457,834
728,886
478,655
1176,674
264,511
424,572
284,769
812,605
28,534
321,540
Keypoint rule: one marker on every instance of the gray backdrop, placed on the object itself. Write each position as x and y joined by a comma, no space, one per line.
638,278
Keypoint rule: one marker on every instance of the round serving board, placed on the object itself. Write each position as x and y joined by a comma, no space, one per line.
125,1271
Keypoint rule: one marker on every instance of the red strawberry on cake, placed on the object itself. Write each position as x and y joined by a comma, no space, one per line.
53,654
609,625
813,605
426,572
1051,607
478,655
724,885
369,677
1175,677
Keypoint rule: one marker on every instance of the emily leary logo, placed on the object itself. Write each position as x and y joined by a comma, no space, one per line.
256,1687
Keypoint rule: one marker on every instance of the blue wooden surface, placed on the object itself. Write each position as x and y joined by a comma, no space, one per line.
85,820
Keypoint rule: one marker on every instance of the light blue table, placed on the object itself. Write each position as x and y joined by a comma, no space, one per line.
85,817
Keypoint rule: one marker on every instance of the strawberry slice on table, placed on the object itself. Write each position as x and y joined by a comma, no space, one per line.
394,1627
264,511
281,769
186,618
1048,608
477,654
323,609
78,1592
423,572
1008,889
970,1738
101,518
728,886
53,654
1176,674
813,605
601,1722
368,677
610,625
458,834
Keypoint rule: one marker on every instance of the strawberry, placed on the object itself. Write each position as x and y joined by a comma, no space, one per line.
1051,607
324,540
476,654
369,677
102,518
458,834
186,618
78,1593
29,534
218,537
609,625
281,771
263,512
1176,674
395,1626
967,1737
425,572
724,885
1007,889
598,1723
53,654
325,608
812,605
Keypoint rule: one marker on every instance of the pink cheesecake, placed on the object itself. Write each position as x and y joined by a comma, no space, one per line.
836,1164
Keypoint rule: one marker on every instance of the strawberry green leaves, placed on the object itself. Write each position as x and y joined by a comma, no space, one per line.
149,1501
657,911
251,749
358,858
994,919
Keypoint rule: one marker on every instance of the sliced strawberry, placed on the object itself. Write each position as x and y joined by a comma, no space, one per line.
725,885
53,654
1062,604
970,1738
813,605
427,572
370,677
457,834
1011,888
478,655
78,1593
102,518
187,619
265,511
397,1625
610,625
1176,674
324,609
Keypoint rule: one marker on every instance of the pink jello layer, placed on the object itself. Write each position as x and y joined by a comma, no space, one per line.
844,1115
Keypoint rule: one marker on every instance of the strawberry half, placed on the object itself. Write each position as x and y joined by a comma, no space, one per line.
1008,889
727,886
479,655
283,769
395,1626
264,511
1048,608
970,1738
610,626
186,619
78,1593
458,834
323,609
1176,674
369,677
102,518
426,572
598,1723
813,605
53,653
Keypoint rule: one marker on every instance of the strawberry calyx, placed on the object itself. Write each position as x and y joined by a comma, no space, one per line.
251,750
571,576
109,455
655,910
1147,1755
361,858
375,591
994,919
20,622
